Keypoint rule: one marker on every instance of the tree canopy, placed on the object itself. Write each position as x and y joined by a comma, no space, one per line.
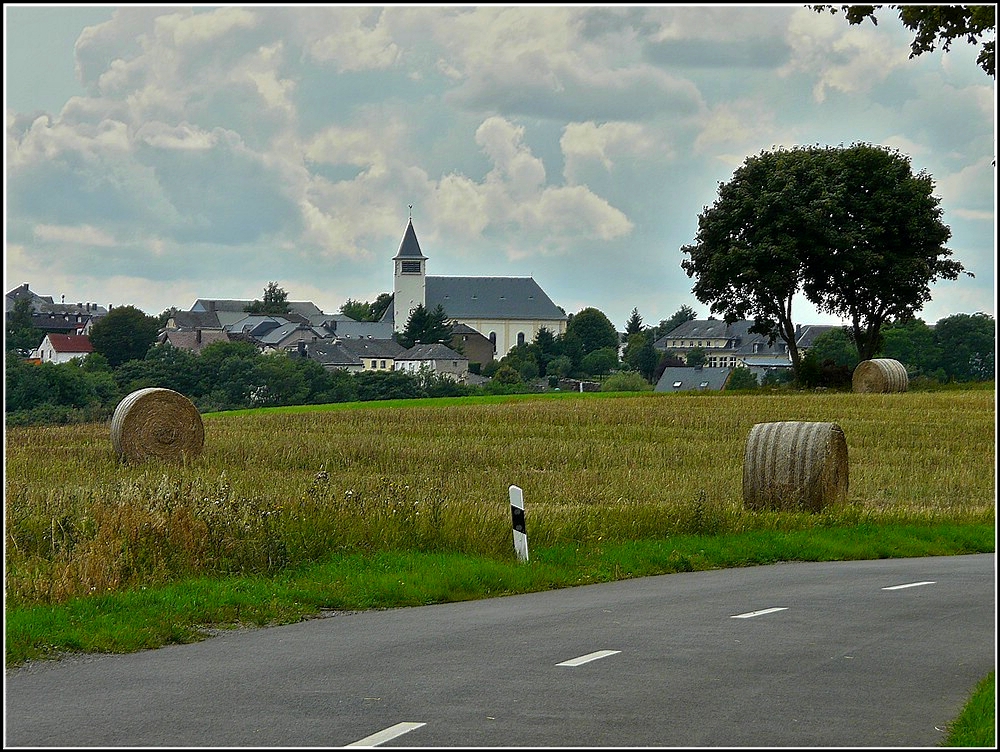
593,330
426,327
850,227
934,25
365,311
275,302
124,334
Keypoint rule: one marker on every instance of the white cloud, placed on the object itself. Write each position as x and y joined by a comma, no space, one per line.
845,58
81,235
183,136
353,43
587,143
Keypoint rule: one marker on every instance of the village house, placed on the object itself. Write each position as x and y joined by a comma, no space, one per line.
436,358
62,348
728,346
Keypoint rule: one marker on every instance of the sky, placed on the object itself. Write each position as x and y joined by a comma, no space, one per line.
161,154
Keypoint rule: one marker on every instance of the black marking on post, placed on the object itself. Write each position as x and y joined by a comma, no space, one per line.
517,515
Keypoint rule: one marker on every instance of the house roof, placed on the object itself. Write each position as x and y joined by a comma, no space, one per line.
196,320
681,379
70,343
372,348
490,298
193,340
332,354
430,352
303,308
741,339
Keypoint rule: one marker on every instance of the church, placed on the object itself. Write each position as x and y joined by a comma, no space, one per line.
508,310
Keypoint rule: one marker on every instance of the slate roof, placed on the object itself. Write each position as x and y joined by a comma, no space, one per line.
431,352
229,311
681,379
196,320
490,298
332,354
372,348
741,340
409,248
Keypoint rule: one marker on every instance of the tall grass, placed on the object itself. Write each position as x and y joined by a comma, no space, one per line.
277,489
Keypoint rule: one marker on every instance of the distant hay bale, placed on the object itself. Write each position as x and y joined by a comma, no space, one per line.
880,375
794,465
157,423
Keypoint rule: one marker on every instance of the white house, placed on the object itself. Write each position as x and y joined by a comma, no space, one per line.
62,348
507,310
438,358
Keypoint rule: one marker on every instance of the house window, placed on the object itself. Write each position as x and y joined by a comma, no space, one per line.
409,267
382,364
373,364
703,384
493,339
677,385
520,338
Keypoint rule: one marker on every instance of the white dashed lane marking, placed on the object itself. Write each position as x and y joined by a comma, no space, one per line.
588,658
386,734
751,614
909,584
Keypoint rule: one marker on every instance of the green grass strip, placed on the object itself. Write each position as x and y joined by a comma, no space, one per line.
976,725
179,612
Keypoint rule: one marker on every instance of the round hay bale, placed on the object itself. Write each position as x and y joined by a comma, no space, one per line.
880,375
157,423
795,465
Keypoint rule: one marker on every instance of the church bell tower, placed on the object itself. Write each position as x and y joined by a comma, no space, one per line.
408,278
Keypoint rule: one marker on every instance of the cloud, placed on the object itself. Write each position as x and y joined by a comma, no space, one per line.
356,40
844,58
80,235
586,144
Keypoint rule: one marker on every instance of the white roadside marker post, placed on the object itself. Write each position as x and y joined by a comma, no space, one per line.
517,515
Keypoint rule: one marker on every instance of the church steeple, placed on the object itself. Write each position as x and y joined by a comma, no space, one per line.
409,275
409,248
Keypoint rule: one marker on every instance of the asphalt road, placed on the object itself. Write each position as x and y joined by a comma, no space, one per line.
841,654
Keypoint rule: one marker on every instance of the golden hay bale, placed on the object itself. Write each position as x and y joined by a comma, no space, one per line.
880,375
795,465
157,423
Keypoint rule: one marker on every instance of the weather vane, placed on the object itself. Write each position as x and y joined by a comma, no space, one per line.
411,211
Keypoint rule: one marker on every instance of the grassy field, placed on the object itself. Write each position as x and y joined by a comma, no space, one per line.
277,492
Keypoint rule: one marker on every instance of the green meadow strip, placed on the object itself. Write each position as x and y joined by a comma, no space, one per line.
151,617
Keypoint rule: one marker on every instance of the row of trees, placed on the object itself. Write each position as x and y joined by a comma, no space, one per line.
959,348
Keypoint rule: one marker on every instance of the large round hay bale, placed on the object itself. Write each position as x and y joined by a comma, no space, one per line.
795,465
880,375
157,423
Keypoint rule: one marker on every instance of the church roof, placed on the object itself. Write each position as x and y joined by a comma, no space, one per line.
409,247
490,298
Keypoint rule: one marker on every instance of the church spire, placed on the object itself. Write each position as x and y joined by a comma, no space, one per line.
409,247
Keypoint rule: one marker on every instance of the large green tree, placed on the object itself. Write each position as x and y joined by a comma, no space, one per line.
634,324
593,330
967,344
936,25
426,327
912,343
364,311
850,227
124,334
